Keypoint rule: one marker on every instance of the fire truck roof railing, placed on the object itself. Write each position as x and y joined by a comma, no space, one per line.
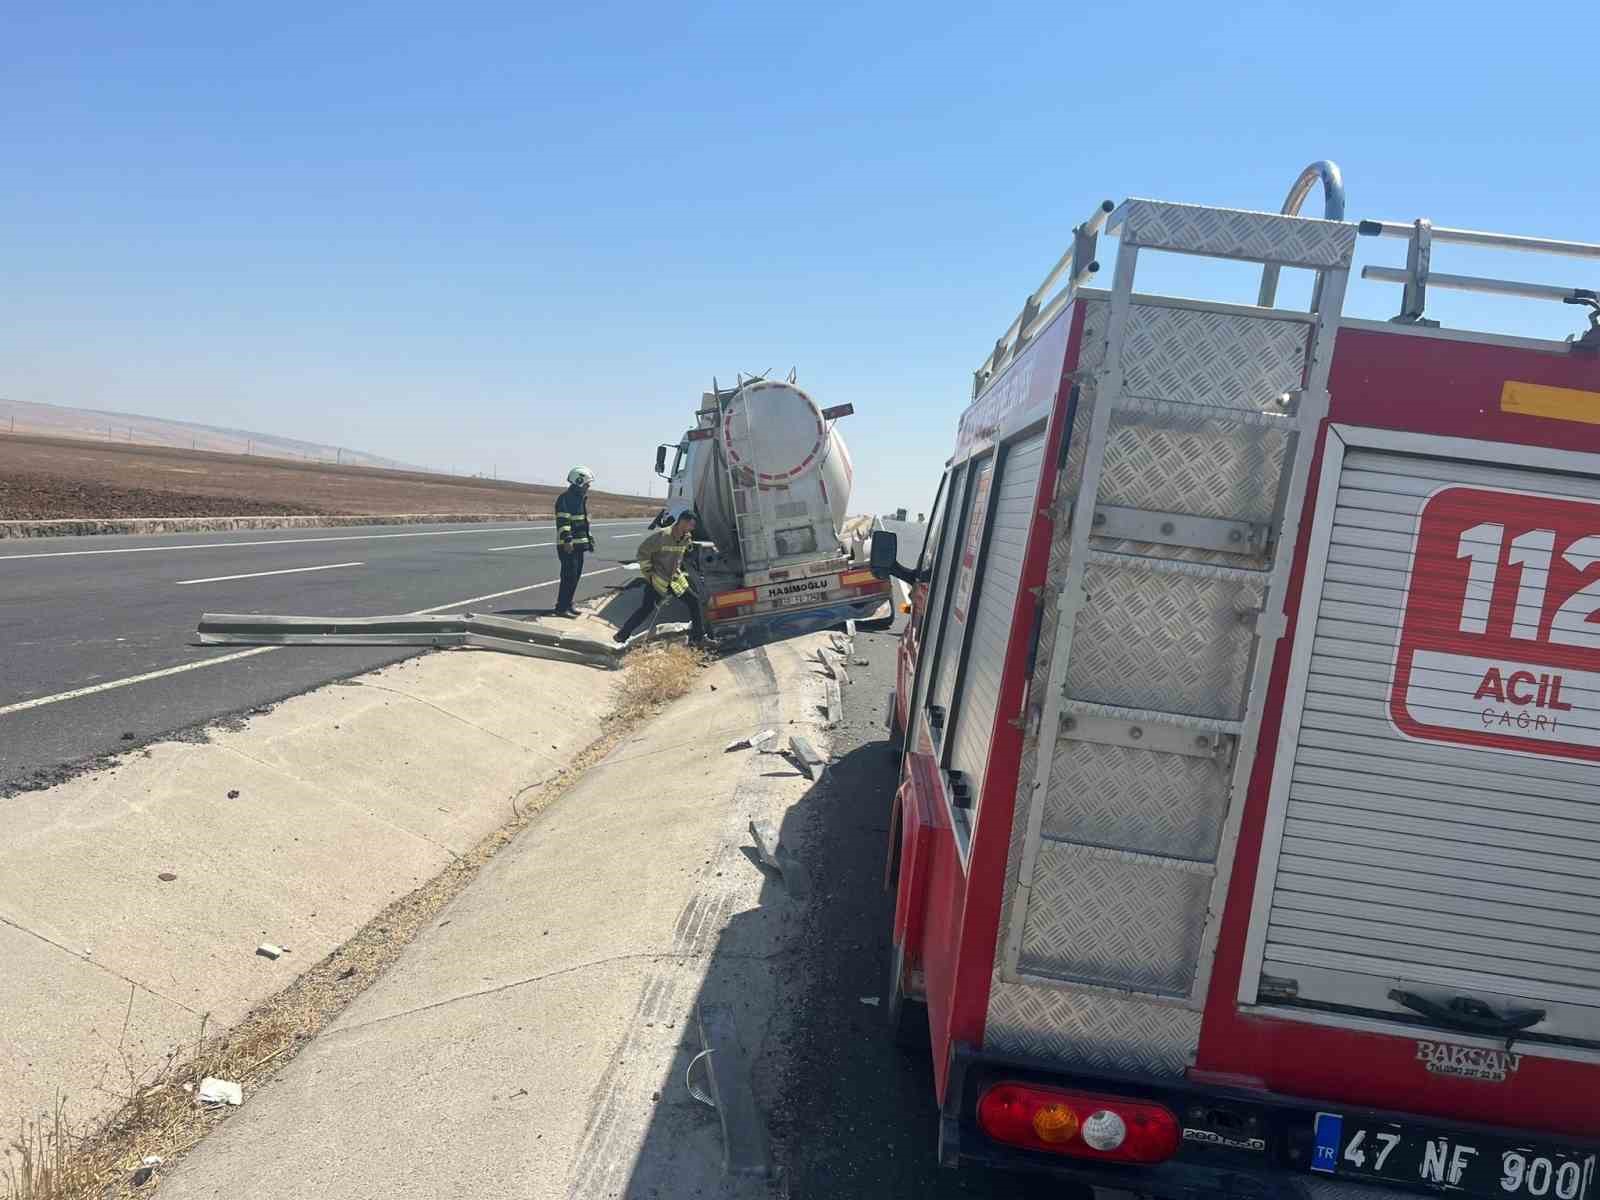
1417,276
1073,269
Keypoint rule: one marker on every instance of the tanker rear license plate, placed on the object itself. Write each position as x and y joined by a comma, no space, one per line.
1420,1160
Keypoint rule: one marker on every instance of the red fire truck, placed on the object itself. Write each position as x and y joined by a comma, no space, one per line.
1247,840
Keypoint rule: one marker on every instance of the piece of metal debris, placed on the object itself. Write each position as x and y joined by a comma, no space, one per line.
807,758
268,950
770,851
835,705
219,1091
166,877
745,1149
766,837
872,1000
756,741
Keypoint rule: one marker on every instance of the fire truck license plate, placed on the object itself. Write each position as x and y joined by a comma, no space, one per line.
1468,1166
1500,635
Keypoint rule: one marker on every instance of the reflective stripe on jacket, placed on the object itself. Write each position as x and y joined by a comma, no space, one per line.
572,521
661,555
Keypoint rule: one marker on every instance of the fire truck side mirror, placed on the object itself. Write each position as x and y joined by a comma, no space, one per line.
661,461
885,553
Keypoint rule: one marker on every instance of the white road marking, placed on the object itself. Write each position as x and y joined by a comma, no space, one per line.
351,537
497,595
259,574
132,679
524,546
76,693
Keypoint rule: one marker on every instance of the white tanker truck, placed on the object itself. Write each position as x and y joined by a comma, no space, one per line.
769,476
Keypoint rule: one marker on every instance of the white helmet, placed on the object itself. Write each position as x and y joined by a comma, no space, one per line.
580,477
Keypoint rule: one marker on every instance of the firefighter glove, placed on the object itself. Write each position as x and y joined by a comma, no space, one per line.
680,584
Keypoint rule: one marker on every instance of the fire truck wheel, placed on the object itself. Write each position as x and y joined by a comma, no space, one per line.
908,1016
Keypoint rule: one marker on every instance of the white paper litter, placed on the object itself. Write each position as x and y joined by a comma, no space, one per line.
220,1091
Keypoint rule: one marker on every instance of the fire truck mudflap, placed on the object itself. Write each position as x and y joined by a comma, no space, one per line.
1249,821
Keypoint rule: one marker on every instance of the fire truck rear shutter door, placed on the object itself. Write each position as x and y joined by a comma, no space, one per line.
1418,863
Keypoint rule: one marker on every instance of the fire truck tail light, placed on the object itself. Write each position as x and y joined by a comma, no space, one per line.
731,599
1108,1128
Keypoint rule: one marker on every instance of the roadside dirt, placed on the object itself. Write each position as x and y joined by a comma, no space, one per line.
57,478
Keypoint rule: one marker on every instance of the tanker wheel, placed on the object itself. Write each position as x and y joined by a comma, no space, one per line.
908,1016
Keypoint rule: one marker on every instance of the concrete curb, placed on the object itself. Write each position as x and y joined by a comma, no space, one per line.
133,898
540,1038
83,527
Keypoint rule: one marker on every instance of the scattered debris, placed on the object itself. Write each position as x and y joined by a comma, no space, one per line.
166,877
807,758
268,950
128,737
860,662
871,1000
347,973
519,1092
233,794
850,629
756,741
771,854
219,1091
835,705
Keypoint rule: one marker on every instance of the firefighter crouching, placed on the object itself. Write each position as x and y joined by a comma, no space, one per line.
661,564
573,539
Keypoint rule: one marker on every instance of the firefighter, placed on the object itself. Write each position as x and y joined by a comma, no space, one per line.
573,540
661,565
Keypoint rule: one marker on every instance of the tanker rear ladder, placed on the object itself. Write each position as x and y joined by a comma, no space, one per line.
748,526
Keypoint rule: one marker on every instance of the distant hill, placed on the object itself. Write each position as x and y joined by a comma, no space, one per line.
51,420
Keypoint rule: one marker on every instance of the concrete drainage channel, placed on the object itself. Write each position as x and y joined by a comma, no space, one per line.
350,798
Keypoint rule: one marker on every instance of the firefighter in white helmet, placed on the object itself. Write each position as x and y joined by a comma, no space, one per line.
573,539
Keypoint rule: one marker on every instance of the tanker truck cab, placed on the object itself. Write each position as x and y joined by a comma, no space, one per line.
770,477
1247,837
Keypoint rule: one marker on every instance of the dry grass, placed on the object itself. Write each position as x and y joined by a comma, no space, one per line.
656,675
48,1160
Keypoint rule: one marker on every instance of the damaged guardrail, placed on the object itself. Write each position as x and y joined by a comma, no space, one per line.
451,629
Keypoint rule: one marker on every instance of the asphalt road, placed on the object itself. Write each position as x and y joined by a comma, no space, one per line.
81,619
856,1115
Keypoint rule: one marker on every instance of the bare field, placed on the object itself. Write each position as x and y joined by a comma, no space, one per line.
45,479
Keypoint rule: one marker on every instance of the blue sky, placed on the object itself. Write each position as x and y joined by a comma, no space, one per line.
518,236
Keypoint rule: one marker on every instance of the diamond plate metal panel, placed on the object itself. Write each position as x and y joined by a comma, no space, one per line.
1189,461
1115,920
1133,799
1169,642
1212,359
1096,1031
1235,233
